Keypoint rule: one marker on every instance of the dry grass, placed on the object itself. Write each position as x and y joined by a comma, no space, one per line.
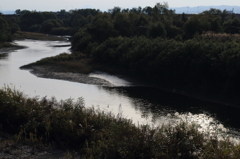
66,63
76,66
35,36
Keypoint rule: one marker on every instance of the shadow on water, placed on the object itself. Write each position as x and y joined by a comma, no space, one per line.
161,102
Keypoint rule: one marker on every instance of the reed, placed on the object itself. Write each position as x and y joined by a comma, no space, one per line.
65,63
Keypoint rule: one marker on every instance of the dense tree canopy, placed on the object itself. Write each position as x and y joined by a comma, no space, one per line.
156,21
7,29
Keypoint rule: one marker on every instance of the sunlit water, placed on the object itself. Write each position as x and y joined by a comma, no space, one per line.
126,99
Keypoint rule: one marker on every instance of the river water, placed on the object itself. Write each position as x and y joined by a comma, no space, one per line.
141,104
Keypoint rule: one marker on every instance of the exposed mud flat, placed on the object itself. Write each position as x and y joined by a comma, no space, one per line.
47,72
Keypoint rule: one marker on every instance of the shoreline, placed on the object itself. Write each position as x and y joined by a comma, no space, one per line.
45,71
5,50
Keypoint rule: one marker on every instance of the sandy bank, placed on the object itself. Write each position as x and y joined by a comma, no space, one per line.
46,72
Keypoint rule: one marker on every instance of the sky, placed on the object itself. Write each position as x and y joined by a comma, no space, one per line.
103,5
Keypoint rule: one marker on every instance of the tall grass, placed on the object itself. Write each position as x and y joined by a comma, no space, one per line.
96,134
65,62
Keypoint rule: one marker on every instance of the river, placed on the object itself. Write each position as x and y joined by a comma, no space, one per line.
141,104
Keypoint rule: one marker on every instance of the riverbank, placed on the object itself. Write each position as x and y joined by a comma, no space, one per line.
48,72
76,69
9,47
70,68
19,35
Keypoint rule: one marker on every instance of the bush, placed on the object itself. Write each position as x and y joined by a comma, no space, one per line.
61,31
48,25
206,64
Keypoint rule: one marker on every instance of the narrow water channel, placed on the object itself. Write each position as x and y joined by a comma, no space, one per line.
140,103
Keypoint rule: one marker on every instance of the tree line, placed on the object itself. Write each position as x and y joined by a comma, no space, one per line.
200,51
7,29
157,21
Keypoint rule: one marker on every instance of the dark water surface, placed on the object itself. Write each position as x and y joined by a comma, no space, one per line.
140,103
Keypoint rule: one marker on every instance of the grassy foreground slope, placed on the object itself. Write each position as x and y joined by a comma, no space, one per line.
97,134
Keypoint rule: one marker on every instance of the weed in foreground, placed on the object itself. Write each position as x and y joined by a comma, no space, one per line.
94,133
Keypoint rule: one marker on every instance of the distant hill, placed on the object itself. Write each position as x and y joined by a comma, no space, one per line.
8,12
87,6
199,9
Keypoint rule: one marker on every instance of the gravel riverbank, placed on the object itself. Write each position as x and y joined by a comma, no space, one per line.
47,72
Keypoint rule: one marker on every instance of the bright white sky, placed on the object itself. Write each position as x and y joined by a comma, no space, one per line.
103,5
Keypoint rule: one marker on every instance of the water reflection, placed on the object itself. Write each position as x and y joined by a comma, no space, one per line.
156,100
209,125
160,107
